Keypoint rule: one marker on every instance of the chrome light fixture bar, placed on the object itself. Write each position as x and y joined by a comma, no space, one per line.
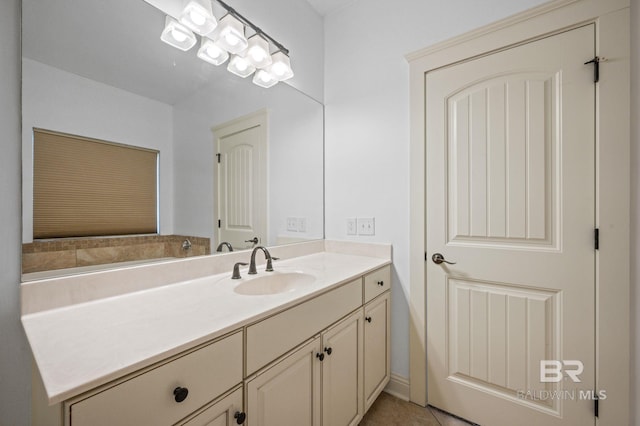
220,39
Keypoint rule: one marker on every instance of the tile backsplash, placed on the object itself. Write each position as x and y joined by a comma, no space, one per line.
49,255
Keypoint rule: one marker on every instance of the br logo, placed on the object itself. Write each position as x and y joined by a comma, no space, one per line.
551,370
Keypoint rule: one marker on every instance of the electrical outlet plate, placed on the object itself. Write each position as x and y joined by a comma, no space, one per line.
366,226
352,228
302,224
292,224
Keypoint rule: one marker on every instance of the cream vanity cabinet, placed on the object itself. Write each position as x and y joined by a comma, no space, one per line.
329,379
321,362
167,393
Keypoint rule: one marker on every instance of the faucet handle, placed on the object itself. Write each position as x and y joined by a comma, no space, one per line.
269,267
236,270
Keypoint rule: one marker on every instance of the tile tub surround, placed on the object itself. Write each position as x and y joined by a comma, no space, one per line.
65,253
86,337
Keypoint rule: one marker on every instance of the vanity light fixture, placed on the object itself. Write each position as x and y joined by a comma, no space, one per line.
231,34
210,52
264,79
258,51
197,16
220,39
281,66
240,66
177,35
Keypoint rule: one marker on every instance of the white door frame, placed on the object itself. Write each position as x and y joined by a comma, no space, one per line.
611,18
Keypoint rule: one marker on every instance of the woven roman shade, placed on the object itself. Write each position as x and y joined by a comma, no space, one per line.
87,187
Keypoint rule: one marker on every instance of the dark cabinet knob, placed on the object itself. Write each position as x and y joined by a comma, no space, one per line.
320,356
240,417
368,319
380,283
180,394
328,350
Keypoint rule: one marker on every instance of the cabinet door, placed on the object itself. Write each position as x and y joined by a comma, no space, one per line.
287,393
225,412
342,391
376,347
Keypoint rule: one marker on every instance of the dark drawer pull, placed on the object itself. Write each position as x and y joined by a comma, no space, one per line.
180,394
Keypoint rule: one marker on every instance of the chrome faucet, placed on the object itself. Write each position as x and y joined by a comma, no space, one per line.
267,255
224,244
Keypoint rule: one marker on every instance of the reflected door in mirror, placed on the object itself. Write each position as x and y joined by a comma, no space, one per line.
242,183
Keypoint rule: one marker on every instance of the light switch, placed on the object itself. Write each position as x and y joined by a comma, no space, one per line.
366,226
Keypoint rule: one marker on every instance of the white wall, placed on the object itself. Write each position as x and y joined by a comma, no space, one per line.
15,358
294,170
367,115
57,100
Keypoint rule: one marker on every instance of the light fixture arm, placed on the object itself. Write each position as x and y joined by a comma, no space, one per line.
255,28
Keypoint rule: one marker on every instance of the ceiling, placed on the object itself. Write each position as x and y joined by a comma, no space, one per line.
325,7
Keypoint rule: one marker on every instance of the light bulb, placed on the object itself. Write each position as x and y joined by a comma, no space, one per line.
279,68
213,51
231,39
257,54
241,65
264,79
178,35
197,18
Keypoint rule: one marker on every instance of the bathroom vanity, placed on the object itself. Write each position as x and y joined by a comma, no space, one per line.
307,344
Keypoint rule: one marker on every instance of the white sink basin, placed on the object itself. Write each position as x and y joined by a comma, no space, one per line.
274,283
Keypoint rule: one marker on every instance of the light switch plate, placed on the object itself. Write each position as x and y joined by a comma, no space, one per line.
352,228
292,224
366,226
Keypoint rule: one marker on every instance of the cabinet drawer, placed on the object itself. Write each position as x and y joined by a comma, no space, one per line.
221,413
269,339
376,283
149,398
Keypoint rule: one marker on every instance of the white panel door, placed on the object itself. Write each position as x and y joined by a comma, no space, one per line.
510,199
242,181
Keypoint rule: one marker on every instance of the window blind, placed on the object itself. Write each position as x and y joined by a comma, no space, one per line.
87,187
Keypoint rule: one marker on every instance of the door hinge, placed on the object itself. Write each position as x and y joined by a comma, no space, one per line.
596,67
218,155
219,223
425,256
596,238
596,405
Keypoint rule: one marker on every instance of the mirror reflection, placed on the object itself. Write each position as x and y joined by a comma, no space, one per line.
237,164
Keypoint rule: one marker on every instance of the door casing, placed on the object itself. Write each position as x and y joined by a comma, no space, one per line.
611,19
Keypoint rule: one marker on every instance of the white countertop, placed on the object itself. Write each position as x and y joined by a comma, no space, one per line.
81,346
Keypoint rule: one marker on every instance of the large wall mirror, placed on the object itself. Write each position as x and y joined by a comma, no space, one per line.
97,69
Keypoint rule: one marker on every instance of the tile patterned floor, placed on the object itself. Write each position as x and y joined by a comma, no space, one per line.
391,411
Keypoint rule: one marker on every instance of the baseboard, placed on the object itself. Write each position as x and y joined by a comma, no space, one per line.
398,386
